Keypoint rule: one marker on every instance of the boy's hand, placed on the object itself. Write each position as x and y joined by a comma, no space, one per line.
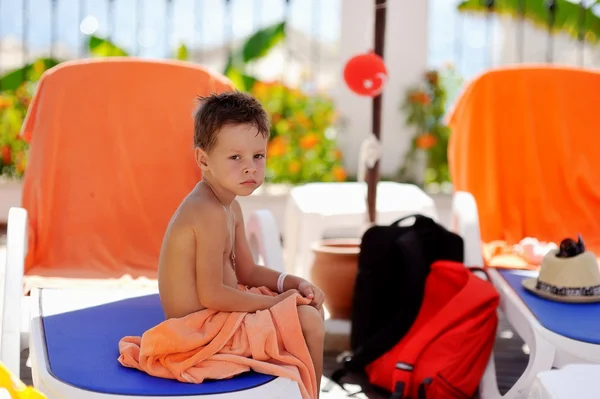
284,295
312,292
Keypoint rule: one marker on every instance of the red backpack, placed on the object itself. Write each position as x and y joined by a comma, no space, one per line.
446,350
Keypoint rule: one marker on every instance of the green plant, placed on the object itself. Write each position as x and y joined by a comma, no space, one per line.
302,147
18,85
32,72
101,47
425,107
13,149
568,17
254,48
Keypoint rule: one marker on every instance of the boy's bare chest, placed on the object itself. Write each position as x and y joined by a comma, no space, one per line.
229,252
229,275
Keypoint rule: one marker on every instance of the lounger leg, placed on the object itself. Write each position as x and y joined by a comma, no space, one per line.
12,291
541,358
488,388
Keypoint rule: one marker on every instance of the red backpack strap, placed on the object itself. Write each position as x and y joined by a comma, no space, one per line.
402,378
401,390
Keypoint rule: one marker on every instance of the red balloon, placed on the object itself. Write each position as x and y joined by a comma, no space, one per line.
366,74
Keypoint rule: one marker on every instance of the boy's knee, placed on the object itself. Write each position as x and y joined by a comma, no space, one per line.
311,320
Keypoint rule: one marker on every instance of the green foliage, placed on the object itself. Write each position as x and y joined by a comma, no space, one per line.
425,107
100,47
260,43
567,17
182,53
13,149
28,73
256,46
302,147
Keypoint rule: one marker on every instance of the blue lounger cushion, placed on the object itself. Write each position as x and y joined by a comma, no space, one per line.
82,351
578,321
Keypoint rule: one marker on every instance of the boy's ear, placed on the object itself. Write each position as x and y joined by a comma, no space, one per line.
201,158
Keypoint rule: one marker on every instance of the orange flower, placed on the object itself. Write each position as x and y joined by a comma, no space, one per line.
308,141
338,155
275,117
259,89
339,173
426,141
20,166
294,166
276,147
5,154
432,77
420,97
5,102
302,119
25,101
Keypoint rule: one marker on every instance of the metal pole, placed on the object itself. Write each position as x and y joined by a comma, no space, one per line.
373,173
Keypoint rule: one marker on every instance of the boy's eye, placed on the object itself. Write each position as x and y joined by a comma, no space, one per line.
259,156
235,157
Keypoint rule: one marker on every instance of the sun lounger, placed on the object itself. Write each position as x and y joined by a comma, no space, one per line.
522,165
556,334
110,160
75,334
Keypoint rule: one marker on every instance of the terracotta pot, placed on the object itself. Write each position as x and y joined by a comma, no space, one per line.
334,271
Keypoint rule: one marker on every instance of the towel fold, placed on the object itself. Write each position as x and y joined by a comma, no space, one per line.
215,345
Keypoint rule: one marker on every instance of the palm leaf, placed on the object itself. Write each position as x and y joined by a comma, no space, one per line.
28,73
256,46
104,48
568,16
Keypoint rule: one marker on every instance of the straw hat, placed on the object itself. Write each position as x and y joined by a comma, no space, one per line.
574,279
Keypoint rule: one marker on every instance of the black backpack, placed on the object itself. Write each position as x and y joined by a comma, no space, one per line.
393,265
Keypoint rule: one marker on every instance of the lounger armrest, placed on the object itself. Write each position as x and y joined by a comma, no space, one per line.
264,239
465,222
10,322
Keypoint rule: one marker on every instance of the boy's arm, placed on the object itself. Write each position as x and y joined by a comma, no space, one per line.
248,272
211,236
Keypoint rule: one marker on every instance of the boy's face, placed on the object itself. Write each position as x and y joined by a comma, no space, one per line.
237,161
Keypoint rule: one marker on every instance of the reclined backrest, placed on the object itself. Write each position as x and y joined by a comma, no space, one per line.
111,157
524,143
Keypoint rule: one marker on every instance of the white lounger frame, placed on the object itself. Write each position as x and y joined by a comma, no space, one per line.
265,243
546,348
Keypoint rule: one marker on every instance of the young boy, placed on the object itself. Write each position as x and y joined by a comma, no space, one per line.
205,254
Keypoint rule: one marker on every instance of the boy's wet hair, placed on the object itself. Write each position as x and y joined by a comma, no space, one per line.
218,110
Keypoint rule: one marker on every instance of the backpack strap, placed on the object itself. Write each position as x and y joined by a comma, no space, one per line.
422,394
398,391
477,269
391,333
420,220
400,388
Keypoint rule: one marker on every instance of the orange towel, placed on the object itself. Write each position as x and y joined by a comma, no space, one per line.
523,143
111,159
214,345
500,254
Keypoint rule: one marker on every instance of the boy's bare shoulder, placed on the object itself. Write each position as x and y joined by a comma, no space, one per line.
195,214
237,209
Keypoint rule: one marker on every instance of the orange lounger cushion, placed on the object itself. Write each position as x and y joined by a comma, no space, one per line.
524,144
111,158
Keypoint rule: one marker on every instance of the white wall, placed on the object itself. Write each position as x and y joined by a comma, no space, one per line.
406,47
